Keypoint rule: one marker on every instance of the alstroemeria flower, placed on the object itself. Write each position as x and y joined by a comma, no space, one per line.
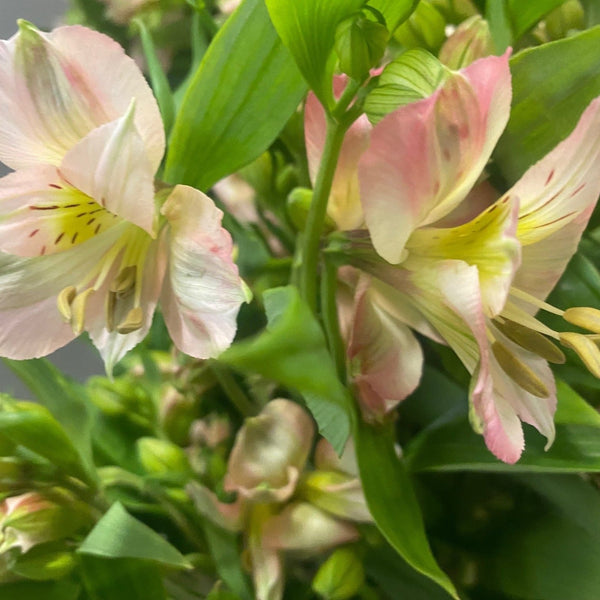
84,244
475,285
280,505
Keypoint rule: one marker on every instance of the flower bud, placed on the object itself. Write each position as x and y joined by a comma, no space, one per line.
176,415
298,206
159,457
31,519
340,577
471,40
425,28
360,44
567,17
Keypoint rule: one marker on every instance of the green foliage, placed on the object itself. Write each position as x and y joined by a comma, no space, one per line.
118,535
394,11
244,91
33,590
307,28
386,484
552,85
292,351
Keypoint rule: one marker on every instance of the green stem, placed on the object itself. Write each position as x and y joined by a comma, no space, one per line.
318,209
234,392
331,321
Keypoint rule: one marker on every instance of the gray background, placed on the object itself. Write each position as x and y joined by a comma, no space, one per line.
79,359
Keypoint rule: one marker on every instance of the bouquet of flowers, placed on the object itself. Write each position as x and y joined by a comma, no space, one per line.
339,258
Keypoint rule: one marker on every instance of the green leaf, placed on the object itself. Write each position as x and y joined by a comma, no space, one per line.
394,11
392,501
552,85
553,549
119,535
292,351
121,579
30,590
524,15
33,426
246,88
414,75
451,444
307,28
158,79
497,15
225,552
65,399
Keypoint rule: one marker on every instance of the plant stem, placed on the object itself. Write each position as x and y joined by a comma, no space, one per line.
318,210
331,322
234,392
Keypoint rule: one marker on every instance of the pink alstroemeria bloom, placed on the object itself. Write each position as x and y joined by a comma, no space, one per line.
84,243
475,285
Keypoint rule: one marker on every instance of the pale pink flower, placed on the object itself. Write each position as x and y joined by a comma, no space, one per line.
84,242
471,281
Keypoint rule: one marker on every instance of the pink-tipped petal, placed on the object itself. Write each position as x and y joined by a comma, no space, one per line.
426,156
56,87
203,291
386,358
344,200
110,165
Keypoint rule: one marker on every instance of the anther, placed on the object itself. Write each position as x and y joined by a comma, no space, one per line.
111,302
586,349
124,280
531,340
584,317
64,301
78,310
519,372
132,322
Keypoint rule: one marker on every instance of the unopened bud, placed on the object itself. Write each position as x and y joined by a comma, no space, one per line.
177,413
425,28
340,577
360,44
568,17
159,457
471,40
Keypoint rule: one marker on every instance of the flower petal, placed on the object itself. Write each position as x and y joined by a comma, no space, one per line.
203,291
558,195
56,87
41,214
302,526
385,356
344,200
270,450
425,157
110,165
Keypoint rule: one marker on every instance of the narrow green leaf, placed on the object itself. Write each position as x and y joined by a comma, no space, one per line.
64,398
524,15
592,12
225,552
246,88
573,409
552,85
392,502
33,590
33,426
497,15
292,351
158,79
121,579
307,28
394,11
119,535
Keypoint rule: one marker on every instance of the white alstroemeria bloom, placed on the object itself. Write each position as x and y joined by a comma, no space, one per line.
84,243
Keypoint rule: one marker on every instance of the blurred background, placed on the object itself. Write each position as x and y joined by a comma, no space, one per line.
79,359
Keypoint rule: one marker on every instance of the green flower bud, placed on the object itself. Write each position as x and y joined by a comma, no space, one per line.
44,563
177,414
159,457
298,205
340,577
471,40
360,44
565,19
